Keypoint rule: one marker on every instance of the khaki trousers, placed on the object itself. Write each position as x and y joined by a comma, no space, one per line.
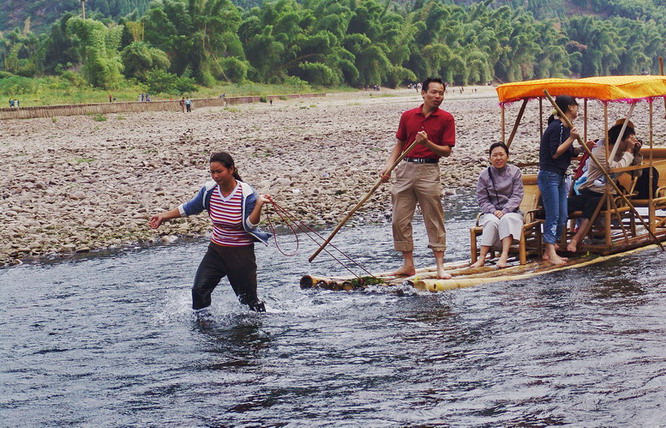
417,182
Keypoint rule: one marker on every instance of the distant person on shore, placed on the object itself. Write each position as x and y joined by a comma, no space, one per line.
188,104
418,175
499,193
235,210
182,104
555,155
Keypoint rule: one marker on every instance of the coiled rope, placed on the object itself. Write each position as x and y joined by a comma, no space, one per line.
291,221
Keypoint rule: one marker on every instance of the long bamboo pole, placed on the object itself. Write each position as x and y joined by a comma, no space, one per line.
624,127
603,170
361,202
661,70
515,125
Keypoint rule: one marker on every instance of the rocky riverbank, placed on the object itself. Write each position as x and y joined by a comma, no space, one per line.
82,183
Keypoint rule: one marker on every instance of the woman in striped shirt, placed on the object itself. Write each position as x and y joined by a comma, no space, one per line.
235,210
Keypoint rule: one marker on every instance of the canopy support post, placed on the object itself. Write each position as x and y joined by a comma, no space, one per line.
515,125
502,131
540,116
651,211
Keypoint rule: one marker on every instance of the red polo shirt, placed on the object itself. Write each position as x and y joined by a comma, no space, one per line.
439,125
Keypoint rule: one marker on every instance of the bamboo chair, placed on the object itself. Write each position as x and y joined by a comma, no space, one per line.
597,231
659,201
530,241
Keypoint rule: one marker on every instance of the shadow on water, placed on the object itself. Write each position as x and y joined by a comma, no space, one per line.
236,342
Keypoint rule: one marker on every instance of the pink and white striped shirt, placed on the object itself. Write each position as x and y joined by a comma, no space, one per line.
227,217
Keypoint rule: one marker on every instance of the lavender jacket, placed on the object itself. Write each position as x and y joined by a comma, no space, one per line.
500,189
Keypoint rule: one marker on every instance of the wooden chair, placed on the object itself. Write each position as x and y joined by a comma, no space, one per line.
530,241
627,182
659,201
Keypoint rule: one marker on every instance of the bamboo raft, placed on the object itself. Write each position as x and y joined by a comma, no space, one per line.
624,228
463,275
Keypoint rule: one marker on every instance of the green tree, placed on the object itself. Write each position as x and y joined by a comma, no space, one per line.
139,59
196,35
102,64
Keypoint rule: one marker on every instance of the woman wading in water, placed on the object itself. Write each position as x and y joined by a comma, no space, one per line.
235,210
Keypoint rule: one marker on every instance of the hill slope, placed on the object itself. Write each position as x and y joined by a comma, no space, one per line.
41,13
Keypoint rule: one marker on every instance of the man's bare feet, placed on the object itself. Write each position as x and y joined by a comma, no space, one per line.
443,274
501,263
405,271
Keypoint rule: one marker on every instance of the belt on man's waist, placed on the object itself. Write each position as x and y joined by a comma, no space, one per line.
421,160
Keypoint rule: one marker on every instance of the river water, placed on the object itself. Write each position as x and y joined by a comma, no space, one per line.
109,340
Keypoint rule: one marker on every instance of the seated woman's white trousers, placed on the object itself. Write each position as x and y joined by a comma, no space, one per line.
496,229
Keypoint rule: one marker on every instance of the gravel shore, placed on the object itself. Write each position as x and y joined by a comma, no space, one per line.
79,184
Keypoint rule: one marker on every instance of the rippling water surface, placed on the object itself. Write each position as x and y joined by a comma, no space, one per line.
110,341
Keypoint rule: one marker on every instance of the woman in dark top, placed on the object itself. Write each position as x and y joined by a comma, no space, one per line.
555,156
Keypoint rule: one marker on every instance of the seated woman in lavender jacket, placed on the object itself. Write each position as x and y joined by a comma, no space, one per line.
499,193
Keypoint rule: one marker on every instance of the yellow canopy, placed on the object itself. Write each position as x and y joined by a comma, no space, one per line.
604,88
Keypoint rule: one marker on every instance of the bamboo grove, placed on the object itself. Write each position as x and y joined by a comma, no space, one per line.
173,44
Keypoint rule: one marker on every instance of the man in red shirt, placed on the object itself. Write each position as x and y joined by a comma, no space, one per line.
418,176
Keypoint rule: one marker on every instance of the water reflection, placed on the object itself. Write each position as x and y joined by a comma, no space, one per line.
110,341
240,341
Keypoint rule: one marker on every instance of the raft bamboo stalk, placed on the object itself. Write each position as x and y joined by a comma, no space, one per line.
509,274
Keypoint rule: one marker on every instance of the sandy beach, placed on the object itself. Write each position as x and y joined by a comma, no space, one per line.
75,185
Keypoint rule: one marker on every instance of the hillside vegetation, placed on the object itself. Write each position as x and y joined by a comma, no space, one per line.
171,46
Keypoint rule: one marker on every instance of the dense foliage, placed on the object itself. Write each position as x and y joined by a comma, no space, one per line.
176,43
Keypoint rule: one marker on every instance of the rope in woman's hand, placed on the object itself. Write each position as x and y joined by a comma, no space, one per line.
282,213
289,219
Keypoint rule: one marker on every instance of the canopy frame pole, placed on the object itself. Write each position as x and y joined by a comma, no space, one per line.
603,170
502,123
540,116
619,218
606,129
515,125
651,209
